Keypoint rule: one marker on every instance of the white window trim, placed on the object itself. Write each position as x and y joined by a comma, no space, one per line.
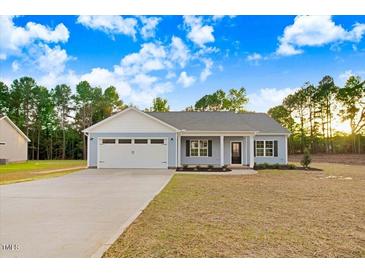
199,140
264,148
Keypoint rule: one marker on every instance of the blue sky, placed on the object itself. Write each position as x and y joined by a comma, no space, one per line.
183,58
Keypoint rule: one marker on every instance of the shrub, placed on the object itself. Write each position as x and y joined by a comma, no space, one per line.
306,159
210,167
185,166
292,166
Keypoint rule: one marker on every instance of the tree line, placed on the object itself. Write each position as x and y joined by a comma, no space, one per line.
310,114
54,119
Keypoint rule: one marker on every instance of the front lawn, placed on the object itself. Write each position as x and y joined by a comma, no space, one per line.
30,170
276,213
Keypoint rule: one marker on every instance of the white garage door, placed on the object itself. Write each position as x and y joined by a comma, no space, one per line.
132,153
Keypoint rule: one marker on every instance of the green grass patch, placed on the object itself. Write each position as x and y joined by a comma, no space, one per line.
30,170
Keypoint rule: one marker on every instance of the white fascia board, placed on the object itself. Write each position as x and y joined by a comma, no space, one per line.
217,133
89,129
263,134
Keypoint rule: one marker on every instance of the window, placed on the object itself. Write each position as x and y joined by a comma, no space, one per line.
265,148
108,141
194,148
157,141
125,141
140,141
203,147
199,148
260,148
269,147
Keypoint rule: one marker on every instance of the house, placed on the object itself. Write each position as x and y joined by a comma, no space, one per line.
136,139
13,142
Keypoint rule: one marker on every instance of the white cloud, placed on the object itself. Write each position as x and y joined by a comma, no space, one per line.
149,26
185,80
207,71
51,60
15,66
151,57
315,31
13,38
207,50
144,81
170,75
144,97
254,57
103,78
220,17
50,80
198,33
179,51
266,98
132,77
217,17
346,75
111,24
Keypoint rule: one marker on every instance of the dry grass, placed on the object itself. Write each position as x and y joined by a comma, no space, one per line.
31,170
276,213
349,159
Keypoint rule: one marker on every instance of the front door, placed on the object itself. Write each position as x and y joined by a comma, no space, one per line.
236,152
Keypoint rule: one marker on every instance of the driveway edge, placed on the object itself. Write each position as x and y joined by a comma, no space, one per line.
104,247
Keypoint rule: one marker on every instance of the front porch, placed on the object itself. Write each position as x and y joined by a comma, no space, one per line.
231,149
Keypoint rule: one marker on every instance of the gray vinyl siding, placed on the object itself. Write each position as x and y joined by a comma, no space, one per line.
215,159
194,160
227,148
171,144
282,151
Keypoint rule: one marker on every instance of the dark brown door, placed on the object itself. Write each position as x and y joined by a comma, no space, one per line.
236,152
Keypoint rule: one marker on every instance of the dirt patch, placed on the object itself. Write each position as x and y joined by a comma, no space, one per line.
350,159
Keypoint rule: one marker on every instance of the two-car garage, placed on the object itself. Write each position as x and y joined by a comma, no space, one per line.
132,152
131,139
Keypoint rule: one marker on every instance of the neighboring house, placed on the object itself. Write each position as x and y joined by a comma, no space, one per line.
136,139
13,142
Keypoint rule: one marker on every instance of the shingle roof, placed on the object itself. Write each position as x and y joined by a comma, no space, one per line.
220,121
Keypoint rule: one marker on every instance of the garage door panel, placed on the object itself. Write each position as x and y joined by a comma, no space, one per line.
132,155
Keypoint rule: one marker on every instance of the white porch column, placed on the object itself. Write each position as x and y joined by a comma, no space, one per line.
222,149
252,157
178,141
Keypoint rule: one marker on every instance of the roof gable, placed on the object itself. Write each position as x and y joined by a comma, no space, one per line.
10,122
131,120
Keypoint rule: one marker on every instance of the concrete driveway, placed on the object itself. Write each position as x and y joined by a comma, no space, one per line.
76,215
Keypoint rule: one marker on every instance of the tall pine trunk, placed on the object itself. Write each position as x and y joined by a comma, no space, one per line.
63,144
38,140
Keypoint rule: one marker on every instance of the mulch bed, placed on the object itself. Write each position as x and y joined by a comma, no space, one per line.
204,169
